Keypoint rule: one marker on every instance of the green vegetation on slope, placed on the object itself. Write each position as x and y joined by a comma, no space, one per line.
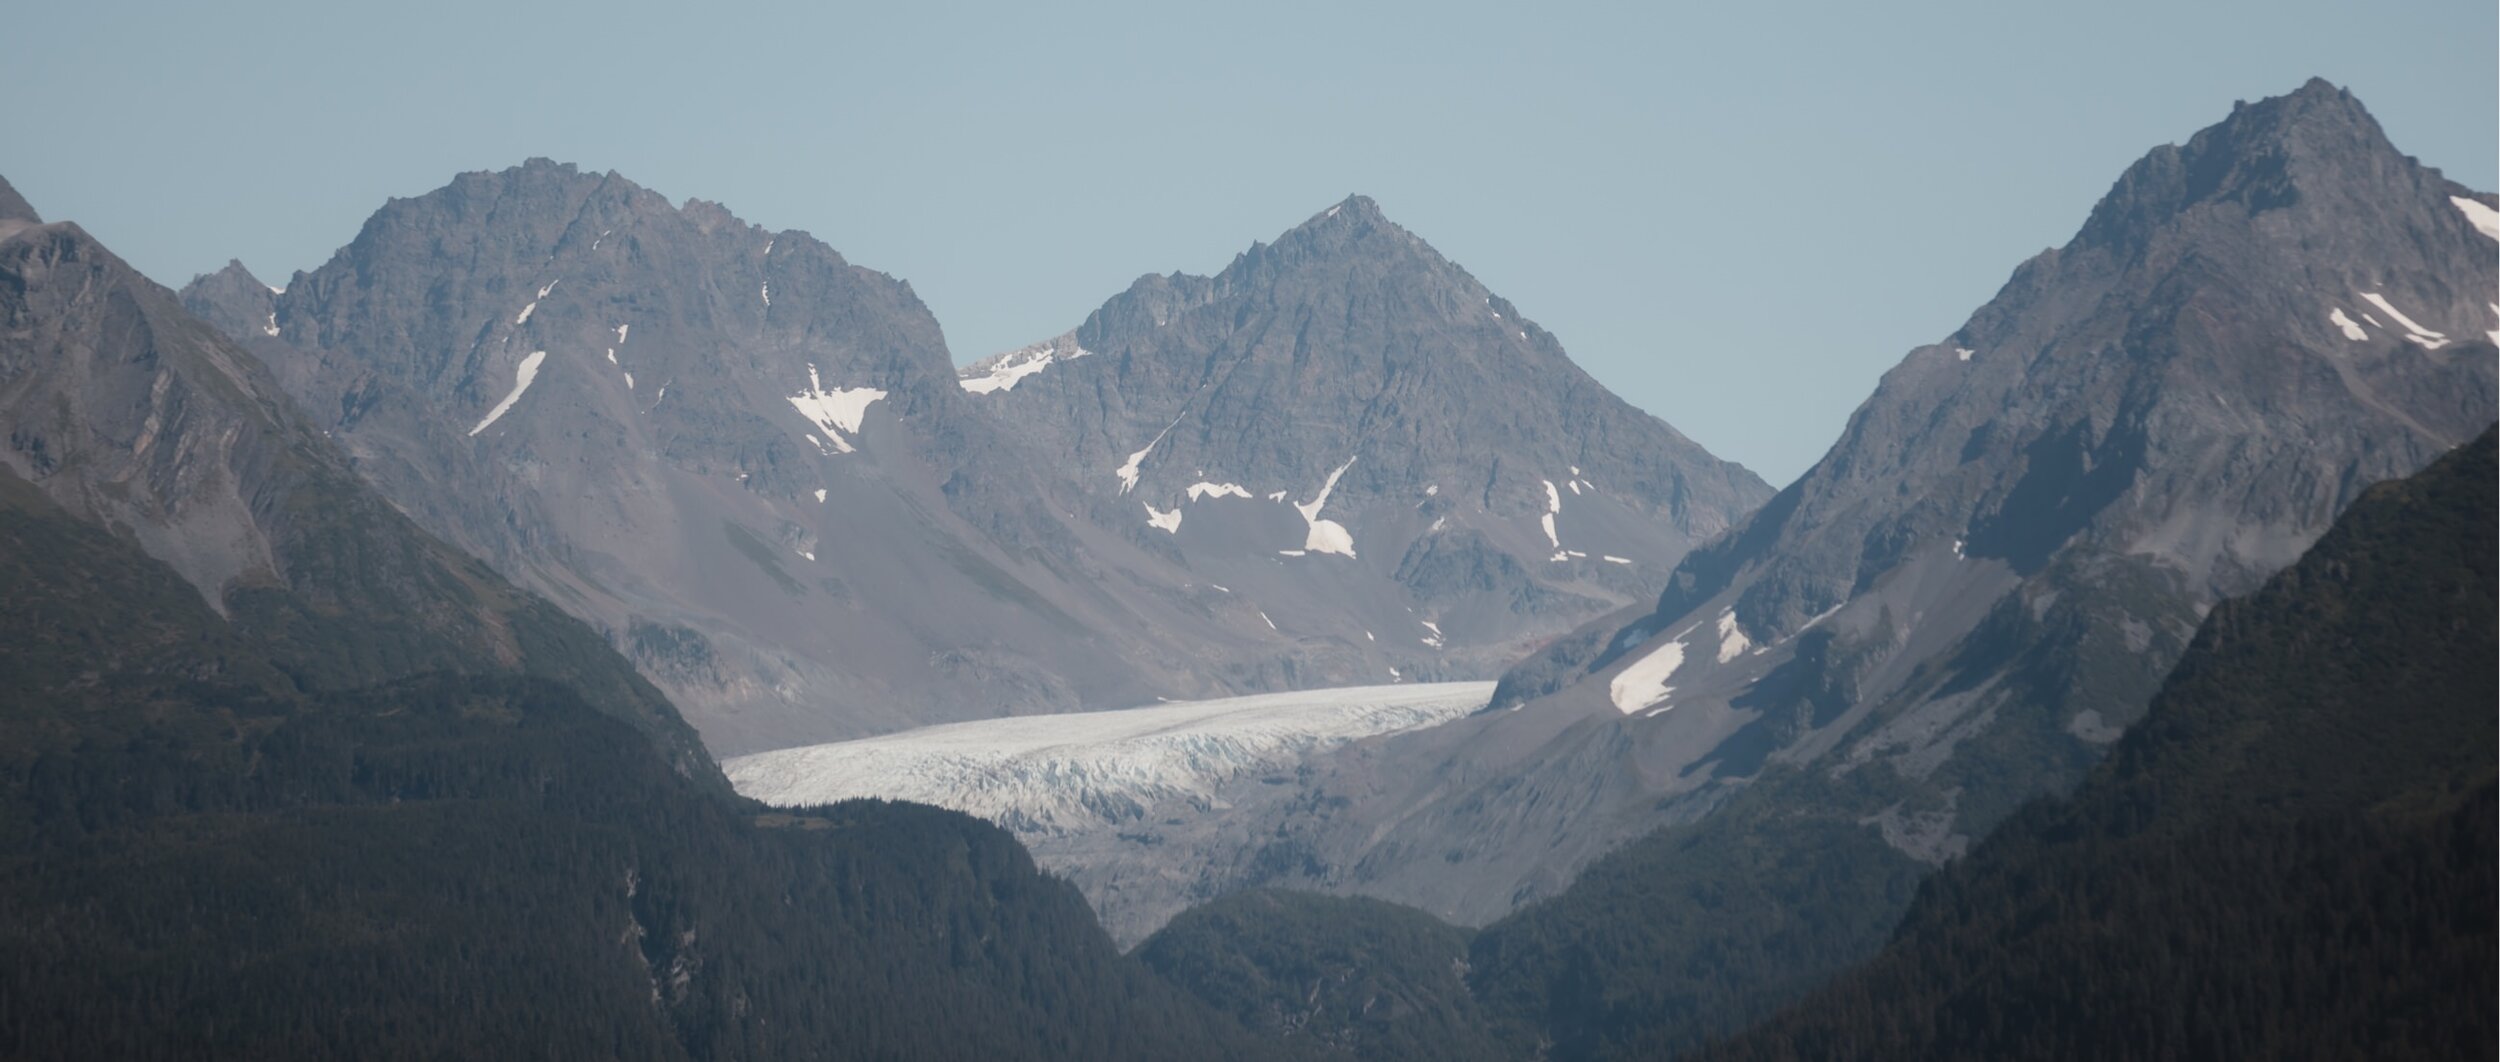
1353,977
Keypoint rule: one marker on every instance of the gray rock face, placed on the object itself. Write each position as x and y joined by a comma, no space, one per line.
738,453
133,415
13,207
1987,575
1347,425
754,465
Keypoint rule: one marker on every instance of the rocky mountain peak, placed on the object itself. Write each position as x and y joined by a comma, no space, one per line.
1334,241
234,300
2317,144
13,207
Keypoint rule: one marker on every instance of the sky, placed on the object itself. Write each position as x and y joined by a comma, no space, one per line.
1737,216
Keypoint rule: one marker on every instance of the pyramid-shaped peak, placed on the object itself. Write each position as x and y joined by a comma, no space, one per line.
13,207
2316,141
1352,214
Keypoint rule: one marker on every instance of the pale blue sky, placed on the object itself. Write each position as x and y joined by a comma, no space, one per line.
1736,215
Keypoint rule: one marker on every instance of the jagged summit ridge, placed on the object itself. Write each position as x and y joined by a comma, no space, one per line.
1976,587
2316,143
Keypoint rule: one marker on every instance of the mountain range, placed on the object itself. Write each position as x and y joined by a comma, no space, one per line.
1963,603
753,465
281,775
387,624
1954,612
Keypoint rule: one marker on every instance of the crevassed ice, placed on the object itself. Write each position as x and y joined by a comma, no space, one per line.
1054,773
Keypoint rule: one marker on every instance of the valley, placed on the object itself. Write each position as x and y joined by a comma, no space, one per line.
575,620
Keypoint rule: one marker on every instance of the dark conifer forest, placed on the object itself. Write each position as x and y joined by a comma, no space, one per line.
203,857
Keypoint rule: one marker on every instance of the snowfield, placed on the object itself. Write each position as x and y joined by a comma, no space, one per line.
1041,775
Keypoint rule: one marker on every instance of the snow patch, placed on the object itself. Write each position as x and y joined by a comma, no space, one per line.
1645,682
551,286
2351,331
1326,536
1271,624
1005,373
1553,504
1963,353
1432,490
520,382
820,495
620,333
1168,521
2428,339
272,327
1732,640
1204,489
1128,469
1612,559
767,292
838,412
526,311
2485,219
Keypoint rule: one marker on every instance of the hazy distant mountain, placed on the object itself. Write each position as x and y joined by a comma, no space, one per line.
1963,602
752,463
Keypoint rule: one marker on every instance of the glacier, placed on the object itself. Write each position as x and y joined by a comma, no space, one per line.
1051,775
